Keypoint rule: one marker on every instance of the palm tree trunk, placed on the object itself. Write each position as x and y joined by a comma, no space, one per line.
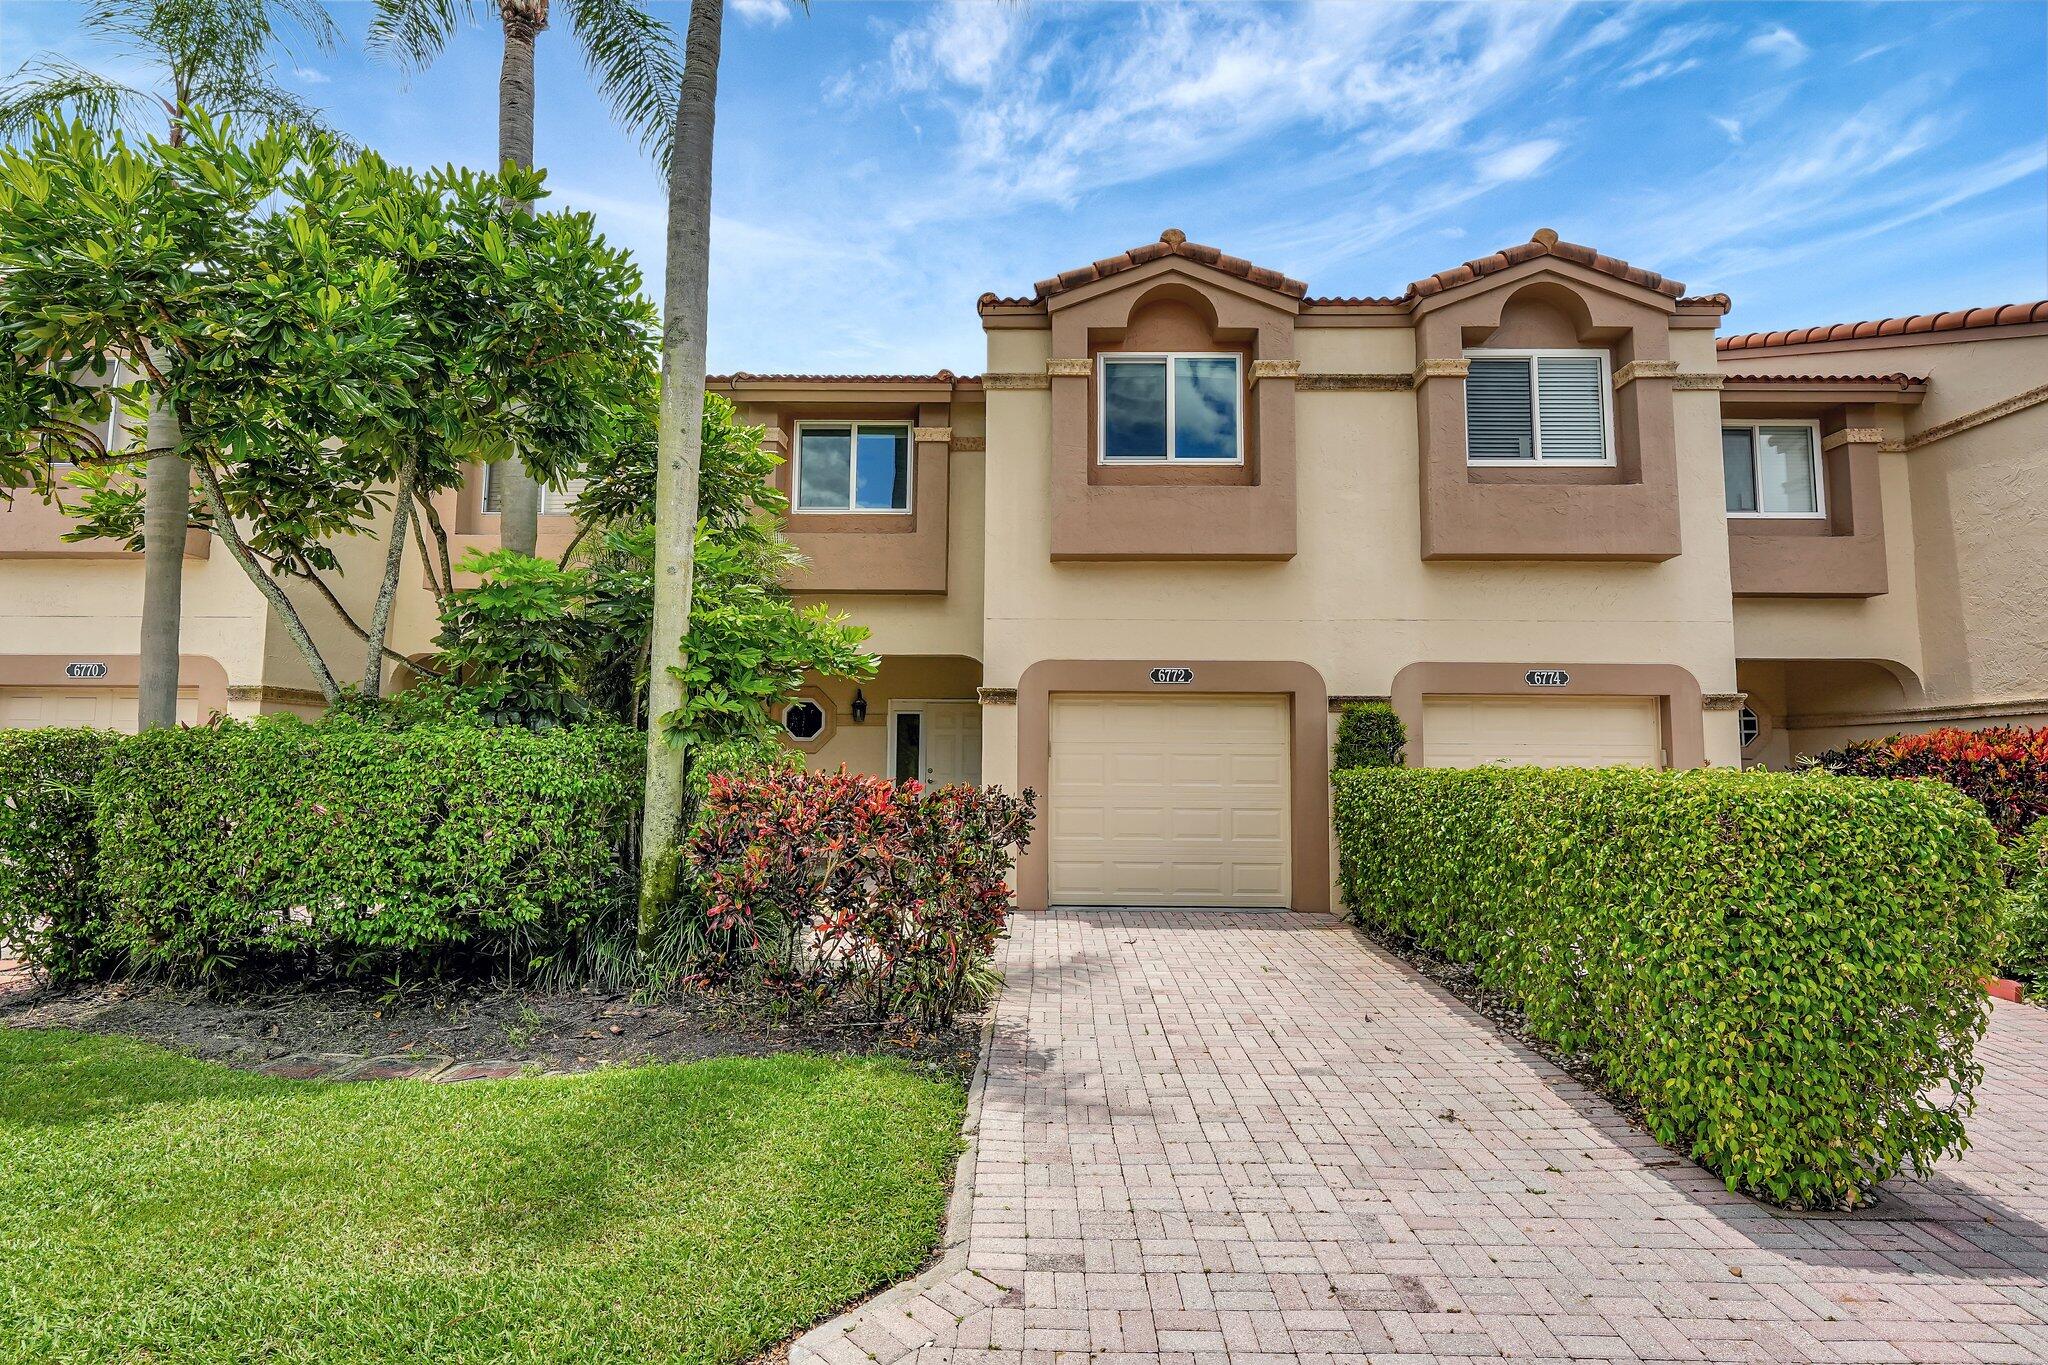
519,495
680,431
166,504
387,591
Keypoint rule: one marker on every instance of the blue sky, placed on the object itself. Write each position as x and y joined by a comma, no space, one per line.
880,165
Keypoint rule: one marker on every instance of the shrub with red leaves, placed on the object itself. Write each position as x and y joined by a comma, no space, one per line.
834,883
2005,768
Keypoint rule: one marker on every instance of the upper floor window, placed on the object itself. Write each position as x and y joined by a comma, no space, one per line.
552,500
1548,406
852,467
1171,407
1772,469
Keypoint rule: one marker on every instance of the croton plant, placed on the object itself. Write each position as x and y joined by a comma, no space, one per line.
844,884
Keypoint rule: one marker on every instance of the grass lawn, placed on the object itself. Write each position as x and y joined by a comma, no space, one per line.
155,1208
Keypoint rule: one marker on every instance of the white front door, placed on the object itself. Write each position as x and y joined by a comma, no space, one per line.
935,742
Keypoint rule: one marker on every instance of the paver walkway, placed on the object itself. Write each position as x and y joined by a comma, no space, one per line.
1256,1139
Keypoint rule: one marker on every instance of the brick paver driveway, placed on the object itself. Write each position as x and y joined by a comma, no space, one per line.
1256,1139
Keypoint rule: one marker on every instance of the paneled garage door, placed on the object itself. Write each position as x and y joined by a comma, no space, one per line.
104,708
1543,732
1169,801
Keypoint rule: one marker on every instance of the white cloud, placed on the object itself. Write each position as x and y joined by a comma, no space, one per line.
1779,44
1644,75
311,75
1518,162
963,41
774,13
1732,127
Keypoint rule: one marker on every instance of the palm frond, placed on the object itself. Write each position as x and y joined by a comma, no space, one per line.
413,32
249,95
50,82
637,64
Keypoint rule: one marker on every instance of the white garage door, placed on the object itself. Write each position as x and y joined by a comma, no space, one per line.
1169,801
104,708
1544,732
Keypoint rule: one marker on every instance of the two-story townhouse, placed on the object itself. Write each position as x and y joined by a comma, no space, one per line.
1188,510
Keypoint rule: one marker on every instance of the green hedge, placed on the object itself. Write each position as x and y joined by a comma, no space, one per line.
2023,922
51,910
1369,735
280,841
1781,970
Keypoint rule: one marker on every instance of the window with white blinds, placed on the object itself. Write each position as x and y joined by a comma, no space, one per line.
1537,405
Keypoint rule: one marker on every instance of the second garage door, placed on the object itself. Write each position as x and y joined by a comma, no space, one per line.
1545,732
103,708
1169,801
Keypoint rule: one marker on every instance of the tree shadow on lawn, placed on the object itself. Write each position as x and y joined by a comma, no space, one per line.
704,1210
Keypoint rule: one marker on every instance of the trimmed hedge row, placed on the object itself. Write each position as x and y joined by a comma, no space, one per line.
2023,924
51,909
281,844
1781,970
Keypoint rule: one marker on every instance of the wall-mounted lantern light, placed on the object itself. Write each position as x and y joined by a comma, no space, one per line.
860,706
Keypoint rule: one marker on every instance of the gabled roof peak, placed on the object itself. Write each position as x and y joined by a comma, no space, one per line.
1172,242
1543,243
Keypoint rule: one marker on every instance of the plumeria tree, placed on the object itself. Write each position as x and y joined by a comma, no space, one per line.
216,53
336,336
631,55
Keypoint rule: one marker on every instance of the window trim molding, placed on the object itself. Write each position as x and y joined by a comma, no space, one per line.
853,426
1538,459
1820,471
790,704
1104,359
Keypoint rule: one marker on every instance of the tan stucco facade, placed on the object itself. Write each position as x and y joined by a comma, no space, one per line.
1355,550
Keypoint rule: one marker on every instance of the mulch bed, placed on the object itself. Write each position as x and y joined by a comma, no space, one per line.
472,1025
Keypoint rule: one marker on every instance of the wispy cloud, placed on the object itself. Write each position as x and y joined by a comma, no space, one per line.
311,75
1779,44
1730,126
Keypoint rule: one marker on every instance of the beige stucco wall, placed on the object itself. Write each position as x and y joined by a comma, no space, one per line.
1966,529
92,610
1356,602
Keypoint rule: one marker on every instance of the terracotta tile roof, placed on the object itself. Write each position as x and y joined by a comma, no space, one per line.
1353,301
1544,243
747,377
1718,301
1172,242
1897,380
2005,315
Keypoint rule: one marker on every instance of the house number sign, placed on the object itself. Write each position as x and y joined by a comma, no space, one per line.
1547,677
84,670
1178,676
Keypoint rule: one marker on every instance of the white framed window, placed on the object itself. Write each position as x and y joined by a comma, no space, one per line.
862,467
552,500
1170,408
1545,407
1773,469
1749,725
113,430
